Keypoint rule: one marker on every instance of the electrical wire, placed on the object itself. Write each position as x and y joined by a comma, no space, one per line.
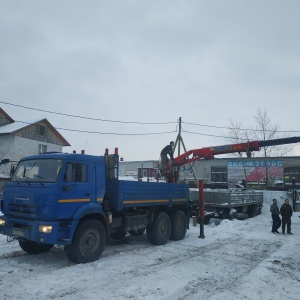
141,123
89,118
243,129
205,134
104,133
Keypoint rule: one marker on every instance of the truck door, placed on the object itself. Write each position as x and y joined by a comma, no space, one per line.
76,187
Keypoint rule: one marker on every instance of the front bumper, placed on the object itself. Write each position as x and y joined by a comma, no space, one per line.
29,230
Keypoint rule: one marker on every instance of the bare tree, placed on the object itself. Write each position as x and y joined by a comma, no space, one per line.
237,134
265,130
262,130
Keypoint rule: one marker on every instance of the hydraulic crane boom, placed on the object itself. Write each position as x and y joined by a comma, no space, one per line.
210,152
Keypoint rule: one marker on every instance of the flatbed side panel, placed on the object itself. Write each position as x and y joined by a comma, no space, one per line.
220,198
217,199
140,194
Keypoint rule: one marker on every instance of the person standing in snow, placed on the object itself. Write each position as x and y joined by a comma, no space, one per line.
286,212
274,209
168,150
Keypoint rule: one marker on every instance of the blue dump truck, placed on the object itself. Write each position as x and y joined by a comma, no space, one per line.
77,200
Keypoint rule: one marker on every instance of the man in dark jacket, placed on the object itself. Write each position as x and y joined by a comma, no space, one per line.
286,212
168,150
274,209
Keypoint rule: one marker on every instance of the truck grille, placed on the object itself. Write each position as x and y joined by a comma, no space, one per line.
23,209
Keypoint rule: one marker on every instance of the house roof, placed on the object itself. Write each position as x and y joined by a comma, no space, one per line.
16,126
13,127
6,116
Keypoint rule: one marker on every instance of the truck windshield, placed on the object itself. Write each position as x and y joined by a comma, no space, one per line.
38,170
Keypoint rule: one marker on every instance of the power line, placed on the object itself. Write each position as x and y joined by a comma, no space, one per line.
205,134
104,133
243,129
89,118
143,123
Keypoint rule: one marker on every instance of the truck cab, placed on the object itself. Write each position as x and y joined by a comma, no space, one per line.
48,193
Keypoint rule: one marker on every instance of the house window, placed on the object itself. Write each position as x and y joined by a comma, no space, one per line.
76,172
219,175
40,130
42,148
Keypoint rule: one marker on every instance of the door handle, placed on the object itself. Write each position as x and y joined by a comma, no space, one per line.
66,188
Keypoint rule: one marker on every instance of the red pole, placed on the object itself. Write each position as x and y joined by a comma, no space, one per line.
201,209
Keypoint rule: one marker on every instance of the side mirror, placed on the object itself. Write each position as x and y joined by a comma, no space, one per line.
12,170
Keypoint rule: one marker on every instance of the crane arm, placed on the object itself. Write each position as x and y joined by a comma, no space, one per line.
190,156
248,147
210,152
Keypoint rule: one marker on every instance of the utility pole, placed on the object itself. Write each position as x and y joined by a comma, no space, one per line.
179,140
179,135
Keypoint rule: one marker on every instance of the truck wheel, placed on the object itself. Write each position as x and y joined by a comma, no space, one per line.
225,214
34,247
259,210
178,226
242,216
88,242
206,220
252,211
159,231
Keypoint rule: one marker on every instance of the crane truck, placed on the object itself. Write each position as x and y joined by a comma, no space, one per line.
77,201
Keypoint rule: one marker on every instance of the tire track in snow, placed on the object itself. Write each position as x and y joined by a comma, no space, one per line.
251,254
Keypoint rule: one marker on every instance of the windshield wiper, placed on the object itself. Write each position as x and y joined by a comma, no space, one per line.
28,181
17,179
40,178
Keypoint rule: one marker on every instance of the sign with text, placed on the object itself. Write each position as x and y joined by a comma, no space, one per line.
254,170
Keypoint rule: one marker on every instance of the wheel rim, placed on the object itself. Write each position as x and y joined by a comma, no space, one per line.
90,242
180,225
163,228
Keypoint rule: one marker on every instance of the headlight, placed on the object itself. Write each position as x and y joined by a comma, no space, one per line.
2,222
45,229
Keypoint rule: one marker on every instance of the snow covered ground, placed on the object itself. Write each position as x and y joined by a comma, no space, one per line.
236,260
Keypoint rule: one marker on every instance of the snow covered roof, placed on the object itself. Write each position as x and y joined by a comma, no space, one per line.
13,127
6,116
16,126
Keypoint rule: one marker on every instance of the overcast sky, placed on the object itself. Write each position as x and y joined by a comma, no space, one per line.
150,62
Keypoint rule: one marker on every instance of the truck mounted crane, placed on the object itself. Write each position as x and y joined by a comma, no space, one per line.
172,169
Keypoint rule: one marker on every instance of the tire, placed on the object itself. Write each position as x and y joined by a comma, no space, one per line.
88,242
259,210
178,226
233,215
159,231
206,220
34,247
225,214
139,232
242,216
252,211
